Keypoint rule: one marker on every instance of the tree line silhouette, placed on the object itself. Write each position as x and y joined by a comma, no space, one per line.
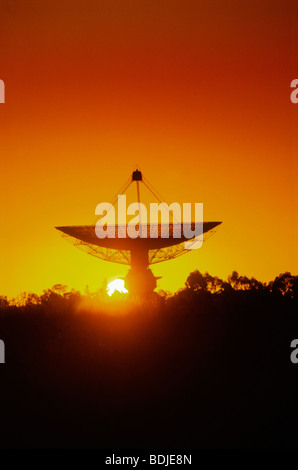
59,295
206,367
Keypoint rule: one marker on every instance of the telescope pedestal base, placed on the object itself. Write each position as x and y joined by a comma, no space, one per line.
140,282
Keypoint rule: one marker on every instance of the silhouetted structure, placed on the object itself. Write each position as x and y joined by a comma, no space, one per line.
138,252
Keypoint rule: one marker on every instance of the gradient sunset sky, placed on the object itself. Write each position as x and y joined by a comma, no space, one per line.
197,93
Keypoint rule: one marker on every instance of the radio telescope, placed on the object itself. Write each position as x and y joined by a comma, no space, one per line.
138,253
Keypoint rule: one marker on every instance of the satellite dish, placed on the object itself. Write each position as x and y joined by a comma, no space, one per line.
139,252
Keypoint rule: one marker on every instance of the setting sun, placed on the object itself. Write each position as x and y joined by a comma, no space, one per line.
116,285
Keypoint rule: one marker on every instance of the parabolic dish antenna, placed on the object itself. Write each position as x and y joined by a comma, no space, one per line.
139,252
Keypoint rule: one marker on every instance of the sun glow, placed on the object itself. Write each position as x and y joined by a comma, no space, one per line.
116,285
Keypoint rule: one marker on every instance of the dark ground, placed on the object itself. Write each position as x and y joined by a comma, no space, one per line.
200,370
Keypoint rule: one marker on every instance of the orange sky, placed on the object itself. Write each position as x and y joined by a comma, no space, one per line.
196,92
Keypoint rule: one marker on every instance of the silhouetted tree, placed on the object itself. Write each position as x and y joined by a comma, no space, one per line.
196,281
284,284
3,302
